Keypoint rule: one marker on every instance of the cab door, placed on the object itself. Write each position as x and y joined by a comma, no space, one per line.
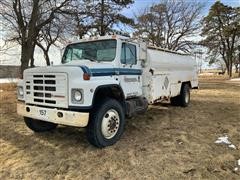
130,70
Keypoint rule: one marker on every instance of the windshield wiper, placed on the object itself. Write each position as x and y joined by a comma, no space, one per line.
90,59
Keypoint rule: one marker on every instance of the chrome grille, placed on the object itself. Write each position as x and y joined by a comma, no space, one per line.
46,89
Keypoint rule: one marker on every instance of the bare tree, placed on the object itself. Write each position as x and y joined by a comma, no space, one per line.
25,19
170,24
51,34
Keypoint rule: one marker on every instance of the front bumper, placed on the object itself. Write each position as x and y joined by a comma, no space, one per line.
70,118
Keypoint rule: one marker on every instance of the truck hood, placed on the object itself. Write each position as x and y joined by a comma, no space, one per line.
70,67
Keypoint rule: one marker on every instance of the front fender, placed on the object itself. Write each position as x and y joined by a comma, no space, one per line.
89,88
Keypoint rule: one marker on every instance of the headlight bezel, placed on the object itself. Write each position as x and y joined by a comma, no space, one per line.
73,96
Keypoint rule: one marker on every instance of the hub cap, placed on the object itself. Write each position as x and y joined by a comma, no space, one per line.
110,124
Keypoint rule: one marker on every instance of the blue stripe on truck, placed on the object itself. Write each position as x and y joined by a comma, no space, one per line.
110,71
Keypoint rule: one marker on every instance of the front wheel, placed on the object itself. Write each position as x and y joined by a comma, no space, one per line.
39,126
106,123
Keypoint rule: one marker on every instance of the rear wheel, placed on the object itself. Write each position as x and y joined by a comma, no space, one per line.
106,123
39,126
184,98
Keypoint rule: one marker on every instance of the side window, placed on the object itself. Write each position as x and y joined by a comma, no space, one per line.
67,55
128,54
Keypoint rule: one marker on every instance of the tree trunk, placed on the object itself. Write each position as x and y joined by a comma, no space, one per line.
24,65
25,57
32,57
46,56
228,62
27,52
236,68
230,70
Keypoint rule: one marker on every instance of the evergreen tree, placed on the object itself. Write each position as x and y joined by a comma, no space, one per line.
221,29
102,15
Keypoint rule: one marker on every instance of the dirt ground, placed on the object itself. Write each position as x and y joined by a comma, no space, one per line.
165,143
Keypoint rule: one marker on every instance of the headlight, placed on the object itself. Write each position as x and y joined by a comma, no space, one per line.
77,95
20,92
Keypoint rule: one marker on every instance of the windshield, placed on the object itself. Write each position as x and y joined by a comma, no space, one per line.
104,50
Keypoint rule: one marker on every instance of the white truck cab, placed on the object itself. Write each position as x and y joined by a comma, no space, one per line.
101,81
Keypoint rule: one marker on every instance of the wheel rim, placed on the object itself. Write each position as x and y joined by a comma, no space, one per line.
187,97
110,124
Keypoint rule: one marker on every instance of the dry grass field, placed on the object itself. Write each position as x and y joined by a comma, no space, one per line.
165,143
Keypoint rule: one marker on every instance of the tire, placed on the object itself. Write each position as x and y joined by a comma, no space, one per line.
39,126
106,123
184,98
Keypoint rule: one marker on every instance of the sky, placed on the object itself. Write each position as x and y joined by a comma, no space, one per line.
138,6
